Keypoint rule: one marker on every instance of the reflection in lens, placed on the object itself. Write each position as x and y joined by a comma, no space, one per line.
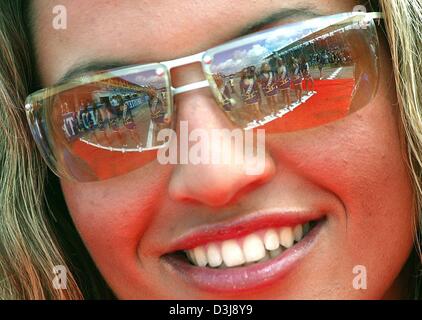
298,78
98,129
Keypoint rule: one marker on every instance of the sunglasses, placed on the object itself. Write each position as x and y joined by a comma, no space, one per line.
288,78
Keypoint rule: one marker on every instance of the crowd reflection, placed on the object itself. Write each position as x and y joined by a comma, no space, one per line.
117,117
282,79
125,114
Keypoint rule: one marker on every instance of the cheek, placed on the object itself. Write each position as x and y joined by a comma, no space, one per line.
114,214
360,160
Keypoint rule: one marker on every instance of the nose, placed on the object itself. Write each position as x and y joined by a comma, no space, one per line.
210,183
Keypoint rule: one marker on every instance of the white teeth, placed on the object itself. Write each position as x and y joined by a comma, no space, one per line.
200,256
214,256
256,247
191,256
286,237
232,253
253,248
298,232
271,241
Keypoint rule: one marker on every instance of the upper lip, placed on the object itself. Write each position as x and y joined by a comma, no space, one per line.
270,218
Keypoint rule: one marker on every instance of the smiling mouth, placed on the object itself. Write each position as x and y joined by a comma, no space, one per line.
256,247
245,254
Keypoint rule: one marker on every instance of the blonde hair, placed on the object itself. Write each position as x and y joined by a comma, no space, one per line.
403,25
28,251
32,241
29,241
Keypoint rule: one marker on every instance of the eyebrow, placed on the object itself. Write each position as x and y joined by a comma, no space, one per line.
90,67
279,16
96,66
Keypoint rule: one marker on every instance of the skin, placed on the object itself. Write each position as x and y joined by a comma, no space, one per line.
354,168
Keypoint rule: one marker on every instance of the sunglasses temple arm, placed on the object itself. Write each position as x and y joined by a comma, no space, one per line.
375,15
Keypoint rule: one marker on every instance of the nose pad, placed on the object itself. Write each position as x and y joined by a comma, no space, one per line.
210,183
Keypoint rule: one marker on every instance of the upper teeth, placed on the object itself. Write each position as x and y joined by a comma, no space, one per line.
257,246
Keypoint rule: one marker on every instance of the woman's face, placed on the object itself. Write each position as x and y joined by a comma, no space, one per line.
349,175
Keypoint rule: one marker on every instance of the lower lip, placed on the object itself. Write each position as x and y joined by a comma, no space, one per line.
240,279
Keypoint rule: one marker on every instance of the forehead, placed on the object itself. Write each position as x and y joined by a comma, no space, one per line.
150,31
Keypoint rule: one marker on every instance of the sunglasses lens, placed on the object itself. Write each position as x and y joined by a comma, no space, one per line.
97,127
297,77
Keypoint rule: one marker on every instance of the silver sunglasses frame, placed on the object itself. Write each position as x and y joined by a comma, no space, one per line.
204,57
